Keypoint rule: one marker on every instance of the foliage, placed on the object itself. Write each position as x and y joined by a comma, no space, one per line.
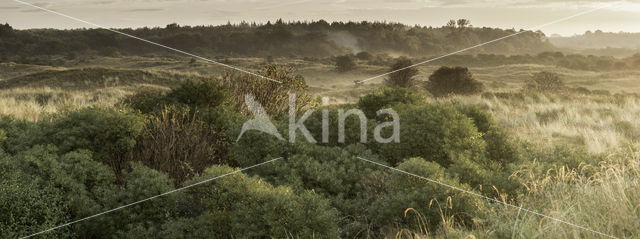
27,209
433,132
204,94
545,82
453,80
146,101
243,206
386,97
176,142
432,204
107,132
271,91
264,39
402,74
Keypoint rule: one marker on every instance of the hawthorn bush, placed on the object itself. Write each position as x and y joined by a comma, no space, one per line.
403,75
245,206
453,80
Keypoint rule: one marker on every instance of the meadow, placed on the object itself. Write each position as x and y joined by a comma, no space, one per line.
571,155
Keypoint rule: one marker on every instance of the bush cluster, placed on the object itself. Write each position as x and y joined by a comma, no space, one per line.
453,81
76,164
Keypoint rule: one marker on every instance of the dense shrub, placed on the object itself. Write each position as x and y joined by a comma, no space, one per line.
481,118
442,134
146,101
453,80
386,97
545,81
433,132
402,74
107,132
345,63
19,135
78,187
27,209
176,142
243,206
432,203
204,94
333,172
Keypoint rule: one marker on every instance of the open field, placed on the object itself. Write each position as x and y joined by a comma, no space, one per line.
592,120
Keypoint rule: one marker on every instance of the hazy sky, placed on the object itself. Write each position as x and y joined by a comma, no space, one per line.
519,14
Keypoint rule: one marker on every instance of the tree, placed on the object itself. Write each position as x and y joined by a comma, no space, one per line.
5,30
345,63
462,23
403,75
453,80
451,24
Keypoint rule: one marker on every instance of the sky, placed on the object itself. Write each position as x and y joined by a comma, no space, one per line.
517,14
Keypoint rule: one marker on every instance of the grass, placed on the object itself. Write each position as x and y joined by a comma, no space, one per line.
598,122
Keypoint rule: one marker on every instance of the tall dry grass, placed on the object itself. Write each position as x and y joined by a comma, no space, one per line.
35,103
601,123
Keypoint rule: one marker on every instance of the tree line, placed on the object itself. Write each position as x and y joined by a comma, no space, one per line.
280,38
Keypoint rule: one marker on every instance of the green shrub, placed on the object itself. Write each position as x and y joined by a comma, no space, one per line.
453,80
204,94
481,118
19,135
442,134
82,184
432,202
333,172
403,75
248,207
433,132
27,208
146,101
106,132
353,131
386,97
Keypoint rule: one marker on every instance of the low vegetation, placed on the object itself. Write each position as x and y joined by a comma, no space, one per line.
90,160
453,81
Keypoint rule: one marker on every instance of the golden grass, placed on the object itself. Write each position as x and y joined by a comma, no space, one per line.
600,123
35,103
